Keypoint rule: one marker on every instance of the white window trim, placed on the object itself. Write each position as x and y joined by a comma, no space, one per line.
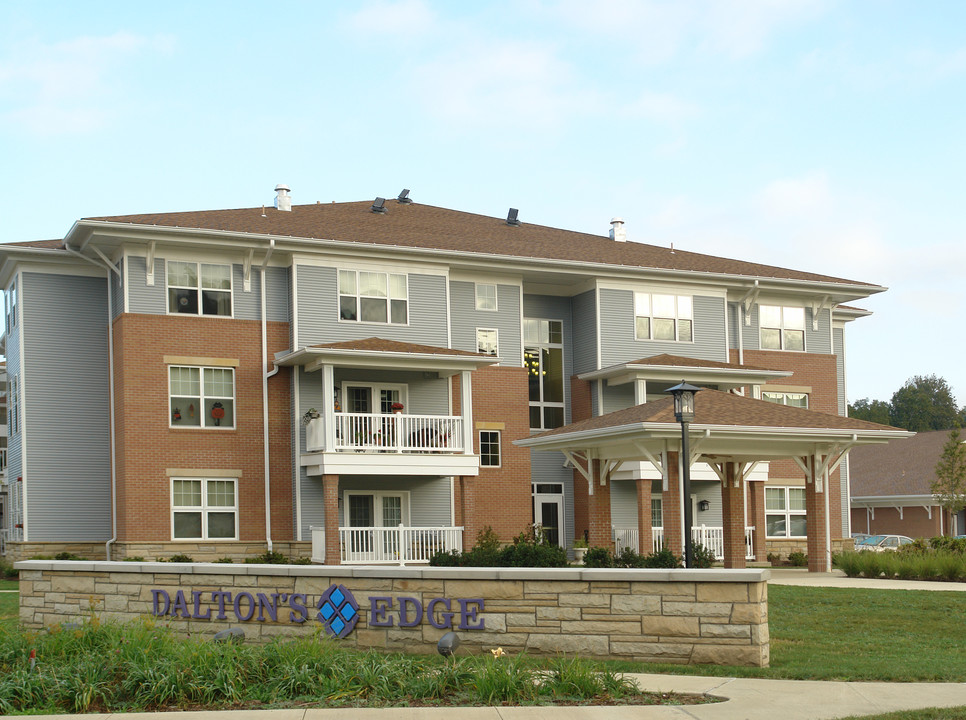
198,263
651,317
201,399
377,496
496,333
499,448
781,329
10,306
204,509
784,397
13,421
660,499
374,389
538,345
787,512
496,296
358,297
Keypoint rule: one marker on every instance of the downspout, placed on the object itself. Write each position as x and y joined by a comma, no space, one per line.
266,374
110,377
828,525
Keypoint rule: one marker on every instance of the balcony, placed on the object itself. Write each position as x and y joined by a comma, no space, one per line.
388,545
710,537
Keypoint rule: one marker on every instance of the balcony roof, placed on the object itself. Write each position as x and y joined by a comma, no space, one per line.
671,368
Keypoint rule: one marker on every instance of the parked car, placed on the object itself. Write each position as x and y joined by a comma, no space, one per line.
881,543
859,537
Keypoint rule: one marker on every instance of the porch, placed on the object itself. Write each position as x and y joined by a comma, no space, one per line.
710,537
400,545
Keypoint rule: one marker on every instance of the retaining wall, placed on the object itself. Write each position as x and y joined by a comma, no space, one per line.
674,616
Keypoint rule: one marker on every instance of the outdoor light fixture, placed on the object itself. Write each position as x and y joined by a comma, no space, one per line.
704,505
684,414
447,644
230,635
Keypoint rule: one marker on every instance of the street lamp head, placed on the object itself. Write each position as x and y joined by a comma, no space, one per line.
683,401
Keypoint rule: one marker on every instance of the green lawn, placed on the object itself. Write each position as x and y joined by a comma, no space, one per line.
9,585
956,713
9,609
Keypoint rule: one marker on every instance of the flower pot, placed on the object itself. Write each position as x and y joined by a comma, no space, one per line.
579,553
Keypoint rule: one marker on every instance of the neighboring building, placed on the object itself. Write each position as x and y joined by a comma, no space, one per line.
358,382
892,489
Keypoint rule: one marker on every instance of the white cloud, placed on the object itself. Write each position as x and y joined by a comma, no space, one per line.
403,19
795,197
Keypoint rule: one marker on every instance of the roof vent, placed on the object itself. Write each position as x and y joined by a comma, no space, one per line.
404,197
511,217
379,205
617,232
283,201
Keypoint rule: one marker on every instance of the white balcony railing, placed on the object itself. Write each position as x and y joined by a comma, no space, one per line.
710,537
389,545
399,433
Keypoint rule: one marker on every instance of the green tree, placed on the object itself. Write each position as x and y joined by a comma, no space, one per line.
950,485
925,402
877,411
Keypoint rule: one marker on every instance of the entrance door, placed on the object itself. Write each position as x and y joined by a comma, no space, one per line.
548,511
374,520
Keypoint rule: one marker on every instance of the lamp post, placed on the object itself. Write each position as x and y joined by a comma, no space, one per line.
684,414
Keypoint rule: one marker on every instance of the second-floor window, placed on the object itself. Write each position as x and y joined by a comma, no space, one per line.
663,317
199,288
485,296
487,341
782,328
543,357
10,303
13,408
786,398
201,397
373,297
490,448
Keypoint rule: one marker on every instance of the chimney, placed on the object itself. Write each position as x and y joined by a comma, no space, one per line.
283,201
617,232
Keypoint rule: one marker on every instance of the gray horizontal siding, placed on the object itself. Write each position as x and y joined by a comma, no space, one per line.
734,321
14,446
309,386
318,311
506,320
623,503
279,289
547,467
617,330
144,298
585,332
429,497
425,396
117,289
66,408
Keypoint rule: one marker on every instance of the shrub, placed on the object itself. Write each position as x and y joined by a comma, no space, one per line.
529,549
6,570
849,562
950,566
178,558
598,557
774,558
225,560
703,556
627,558
663,558
944,543
798,558
134,558
268,557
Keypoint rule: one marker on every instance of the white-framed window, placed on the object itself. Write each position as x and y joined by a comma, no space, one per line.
486,296
199,288
201,397
10,306
204,509
785,512
13,406
663,317
786,398
488,341
490,448
782,328
375,297
376,509
543,358
657,511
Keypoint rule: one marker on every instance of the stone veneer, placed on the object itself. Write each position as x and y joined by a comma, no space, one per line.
673,616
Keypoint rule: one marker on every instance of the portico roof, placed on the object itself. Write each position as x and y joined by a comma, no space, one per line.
726,427
671,368
377,352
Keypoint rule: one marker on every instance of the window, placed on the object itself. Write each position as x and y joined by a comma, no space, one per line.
786,398
373,297
487,341
543,357
657,511
13,409
663,317
199,288
203,509
490,448
201,396
485,297
10,304
785,512
782,328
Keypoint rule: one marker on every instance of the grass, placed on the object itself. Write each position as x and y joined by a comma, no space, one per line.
9,610
953,713
9,585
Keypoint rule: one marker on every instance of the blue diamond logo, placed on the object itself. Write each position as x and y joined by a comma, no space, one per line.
338,611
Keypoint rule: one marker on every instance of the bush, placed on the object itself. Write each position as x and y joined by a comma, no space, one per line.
798,558
268,558
703,556
7,571
529,549
774,558
178,558
849,562
134,558
598,557
663,558
944,543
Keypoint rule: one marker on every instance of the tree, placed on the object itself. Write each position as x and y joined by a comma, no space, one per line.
925,402
950,485
877,411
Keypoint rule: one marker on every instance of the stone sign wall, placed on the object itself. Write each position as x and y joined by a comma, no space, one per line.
675,616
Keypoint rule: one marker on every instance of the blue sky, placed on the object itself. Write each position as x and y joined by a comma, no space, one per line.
813,134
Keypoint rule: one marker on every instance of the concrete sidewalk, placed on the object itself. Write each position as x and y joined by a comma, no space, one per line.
837,579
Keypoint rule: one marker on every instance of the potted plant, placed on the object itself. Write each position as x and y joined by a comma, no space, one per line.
580,549
397,407
310,415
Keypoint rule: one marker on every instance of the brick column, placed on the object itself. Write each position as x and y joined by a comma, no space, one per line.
733,517
815,523
330,503
598,511
671,506
645,528
756,517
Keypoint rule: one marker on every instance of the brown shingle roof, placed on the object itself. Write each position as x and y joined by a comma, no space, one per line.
677,361
713,407
424,226
375,344
900,467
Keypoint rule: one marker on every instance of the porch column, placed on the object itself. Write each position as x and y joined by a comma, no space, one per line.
671,507
733,517
645,526
466,410
815,491
598,511
756,517
328,405
330,502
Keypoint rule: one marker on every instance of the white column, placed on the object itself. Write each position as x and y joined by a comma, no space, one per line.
328,405
640,391
466,410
